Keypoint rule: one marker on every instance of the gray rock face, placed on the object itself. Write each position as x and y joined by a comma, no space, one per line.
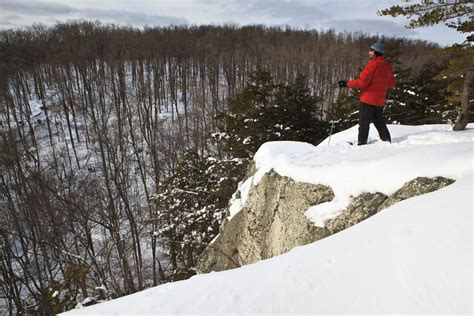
368,204
272,221
360,208
417,186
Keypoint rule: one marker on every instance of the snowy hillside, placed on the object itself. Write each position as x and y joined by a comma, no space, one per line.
413,257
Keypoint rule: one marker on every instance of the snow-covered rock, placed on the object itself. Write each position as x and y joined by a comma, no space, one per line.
272,222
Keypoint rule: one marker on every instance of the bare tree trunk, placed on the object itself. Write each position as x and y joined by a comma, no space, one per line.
464,115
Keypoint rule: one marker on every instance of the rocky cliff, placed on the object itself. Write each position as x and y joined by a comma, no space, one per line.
272,220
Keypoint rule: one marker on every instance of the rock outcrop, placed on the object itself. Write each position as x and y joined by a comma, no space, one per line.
272,221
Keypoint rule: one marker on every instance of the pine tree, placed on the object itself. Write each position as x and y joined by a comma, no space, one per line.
264,111
244,123
190,206
294,115
456,14
420,98
459,75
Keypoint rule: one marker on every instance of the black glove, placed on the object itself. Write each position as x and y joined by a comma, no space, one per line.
342,84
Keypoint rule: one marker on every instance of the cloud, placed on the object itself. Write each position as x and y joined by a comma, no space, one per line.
36,8
372,26
6,23
293,12
133,18
58,11
8,20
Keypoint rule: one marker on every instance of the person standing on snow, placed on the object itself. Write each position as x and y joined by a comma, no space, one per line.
373,83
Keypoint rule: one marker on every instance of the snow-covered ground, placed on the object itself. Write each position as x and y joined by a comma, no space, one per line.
413,257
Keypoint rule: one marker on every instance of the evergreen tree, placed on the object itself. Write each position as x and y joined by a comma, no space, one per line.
294,115
456,14
458,73
420,98
190,206
264,111
460,68
244,123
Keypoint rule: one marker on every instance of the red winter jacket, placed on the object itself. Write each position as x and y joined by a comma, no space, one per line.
374,81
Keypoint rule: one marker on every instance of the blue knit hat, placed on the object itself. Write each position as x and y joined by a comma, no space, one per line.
378,47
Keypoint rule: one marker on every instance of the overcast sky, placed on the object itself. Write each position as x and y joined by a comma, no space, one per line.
341,15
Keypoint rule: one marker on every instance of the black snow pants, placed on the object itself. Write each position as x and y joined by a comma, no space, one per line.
371,114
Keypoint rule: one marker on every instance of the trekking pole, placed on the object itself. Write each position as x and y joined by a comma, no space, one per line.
332,122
